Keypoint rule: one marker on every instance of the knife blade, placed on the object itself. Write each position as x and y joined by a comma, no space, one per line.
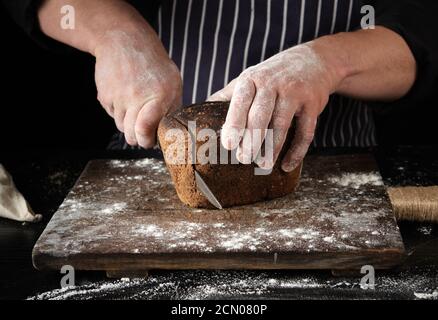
205,190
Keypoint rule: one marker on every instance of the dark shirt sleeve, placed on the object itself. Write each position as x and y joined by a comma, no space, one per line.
415,22
25,14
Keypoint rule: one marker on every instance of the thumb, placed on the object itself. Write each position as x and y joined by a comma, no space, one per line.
147,122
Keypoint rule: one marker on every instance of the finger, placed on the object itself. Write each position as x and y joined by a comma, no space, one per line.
109,109
259,117
147,122
280,124
224,94
129,124
106,104
305,131
119,115
235,123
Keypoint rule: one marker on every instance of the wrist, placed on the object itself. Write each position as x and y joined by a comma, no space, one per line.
334,56
128,35
92,20
129,26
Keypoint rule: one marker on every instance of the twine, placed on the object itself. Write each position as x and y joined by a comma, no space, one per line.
415,203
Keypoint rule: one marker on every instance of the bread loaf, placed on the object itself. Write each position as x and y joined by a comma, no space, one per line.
232,184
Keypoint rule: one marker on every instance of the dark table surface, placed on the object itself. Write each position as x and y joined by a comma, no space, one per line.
46,176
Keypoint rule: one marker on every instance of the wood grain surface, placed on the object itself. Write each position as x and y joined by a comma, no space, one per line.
125,215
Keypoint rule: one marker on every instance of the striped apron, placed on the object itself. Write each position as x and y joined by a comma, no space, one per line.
213,41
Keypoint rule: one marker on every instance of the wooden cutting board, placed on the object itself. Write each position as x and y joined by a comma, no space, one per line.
125,216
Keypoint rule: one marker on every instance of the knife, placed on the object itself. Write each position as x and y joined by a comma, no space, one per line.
205,190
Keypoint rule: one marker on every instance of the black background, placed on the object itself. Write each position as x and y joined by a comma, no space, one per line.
48,100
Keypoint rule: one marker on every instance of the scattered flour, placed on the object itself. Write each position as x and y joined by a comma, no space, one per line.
116,207
118,164
425,230
58,178
149,163
419,283
356,180
188,285
330,239
427,296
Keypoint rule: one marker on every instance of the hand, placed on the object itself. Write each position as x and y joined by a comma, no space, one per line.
294,83
137,83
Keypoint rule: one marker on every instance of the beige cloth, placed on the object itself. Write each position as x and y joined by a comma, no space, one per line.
12,203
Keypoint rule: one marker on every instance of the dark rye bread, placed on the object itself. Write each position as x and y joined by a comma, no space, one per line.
232,184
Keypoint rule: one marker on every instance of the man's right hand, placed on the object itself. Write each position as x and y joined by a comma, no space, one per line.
136,80
137,83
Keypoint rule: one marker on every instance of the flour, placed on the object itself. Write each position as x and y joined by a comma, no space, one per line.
135,177
149,163
330,239
190,285
153,164
240,241
418,283
218,225
356,180
427,296
118,163
58,178
150,230
116,207
190,236
425,230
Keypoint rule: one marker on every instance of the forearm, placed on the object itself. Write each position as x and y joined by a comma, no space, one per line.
370,64
93,19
